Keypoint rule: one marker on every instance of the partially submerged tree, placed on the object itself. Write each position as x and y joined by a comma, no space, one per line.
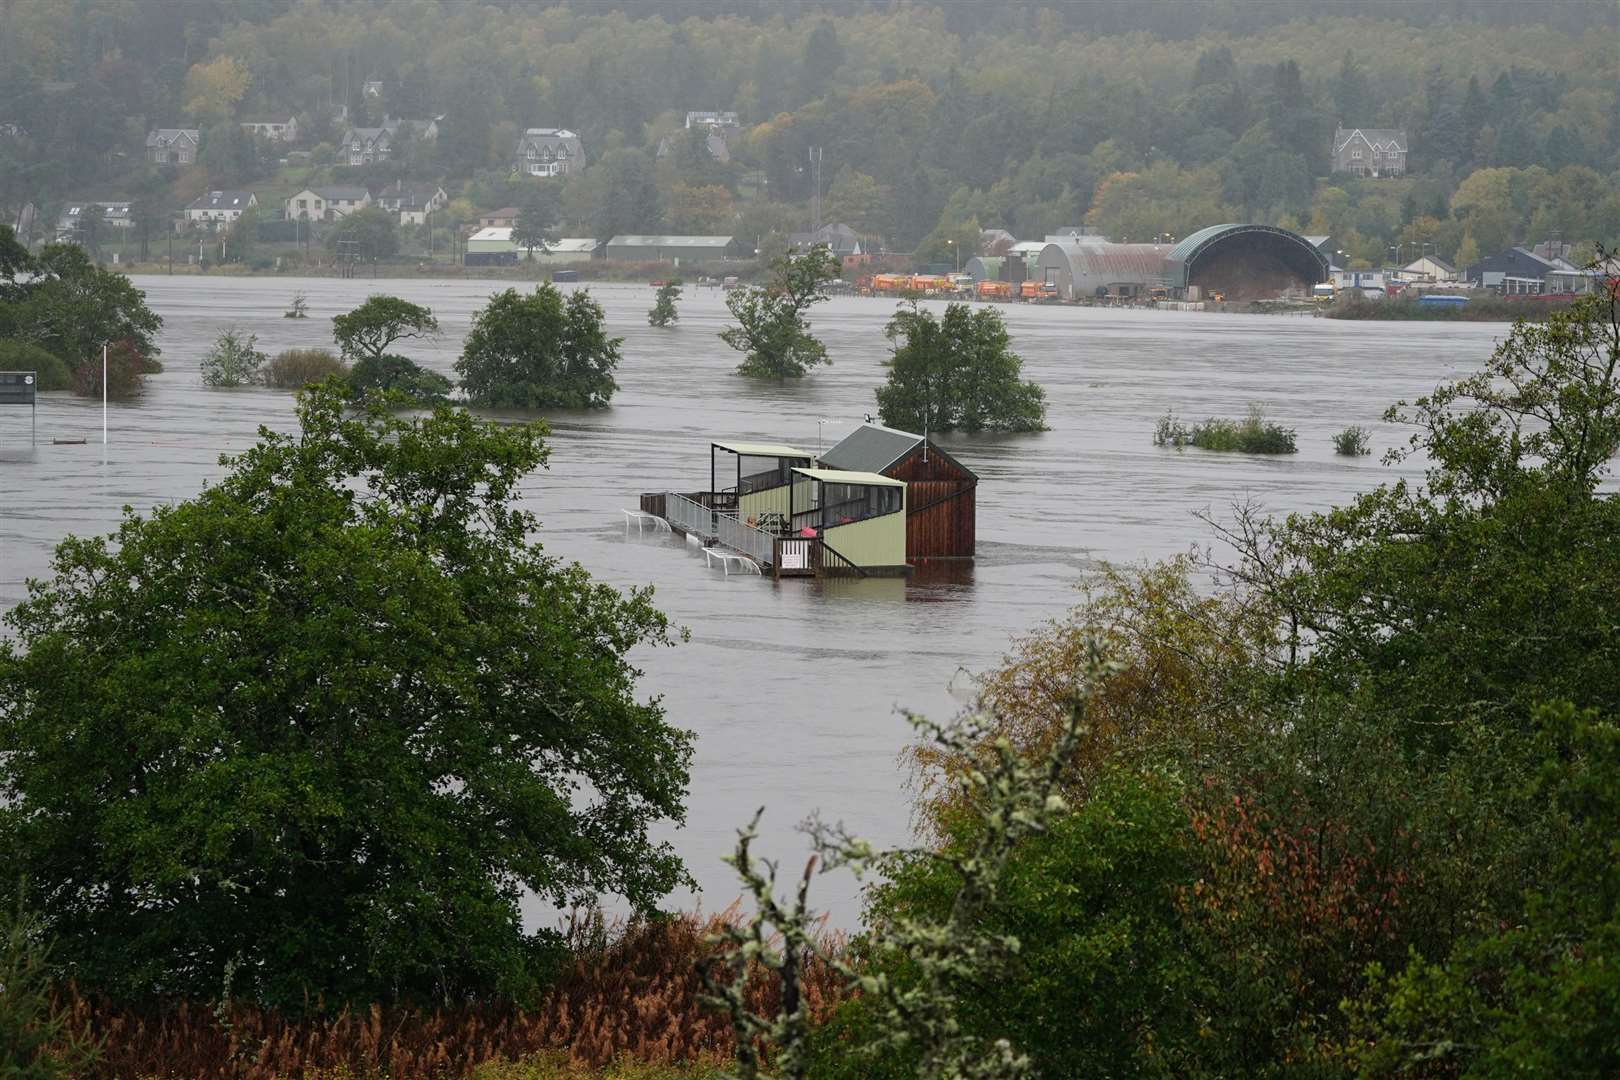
772,331
663,312
539,351
313,733
956,373
70,307
396,380
234,360
370,329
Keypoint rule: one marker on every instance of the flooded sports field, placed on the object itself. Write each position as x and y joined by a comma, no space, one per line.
793,688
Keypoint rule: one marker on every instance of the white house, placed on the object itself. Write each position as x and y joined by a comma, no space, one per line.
327,203
215,210
1431,268
115,214
412,202
282,131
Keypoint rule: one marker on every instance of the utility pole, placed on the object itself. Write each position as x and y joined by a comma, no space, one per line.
815,178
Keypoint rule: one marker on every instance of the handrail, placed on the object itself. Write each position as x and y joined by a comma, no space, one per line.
688,516
756,544
839,560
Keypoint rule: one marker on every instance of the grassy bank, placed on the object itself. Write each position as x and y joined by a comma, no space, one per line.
1481,307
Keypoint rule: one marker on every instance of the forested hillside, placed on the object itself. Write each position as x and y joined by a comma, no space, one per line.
1143,119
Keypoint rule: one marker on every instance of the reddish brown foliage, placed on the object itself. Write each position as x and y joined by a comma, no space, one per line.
635,996
1327,891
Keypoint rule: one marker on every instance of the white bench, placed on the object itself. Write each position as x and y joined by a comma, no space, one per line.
744,563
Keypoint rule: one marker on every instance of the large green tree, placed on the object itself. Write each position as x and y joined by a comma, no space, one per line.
67,305
312,734
957,372
370,329
772,332
539,351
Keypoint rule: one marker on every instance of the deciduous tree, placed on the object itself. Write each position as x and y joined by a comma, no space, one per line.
373,327
956,373
539,351
773,334
311,734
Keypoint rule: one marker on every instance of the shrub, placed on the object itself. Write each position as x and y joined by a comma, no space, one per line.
126,373
398,375
234,360
1254,434
39,1038
52,373
296,368
1352,442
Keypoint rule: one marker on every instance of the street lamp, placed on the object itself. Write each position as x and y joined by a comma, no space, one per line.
956,252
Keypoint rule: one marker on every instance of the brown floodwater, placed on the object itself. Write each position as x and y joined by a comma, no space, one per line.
794,689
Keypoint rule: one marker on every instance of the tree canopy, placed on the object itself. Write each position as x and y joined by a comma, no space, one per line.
772,333
311,734
370,329
539,351
957,372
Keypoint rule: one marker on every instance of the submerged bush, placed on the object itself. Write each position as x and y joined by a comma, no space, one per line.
1254,434
1352,442
49,370
400,375
234,360
297,368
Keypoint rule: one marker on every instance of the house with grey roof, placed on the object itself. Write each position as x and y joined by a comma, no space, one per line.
173,146
713,120
114,213
216,210
548,152
941,516
412,202
366,145
1369,151
842,239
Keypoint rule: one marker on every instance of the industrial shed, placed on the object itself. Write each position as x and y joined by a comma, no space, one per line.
676,249
495,247
940,511
1244,262
1084,267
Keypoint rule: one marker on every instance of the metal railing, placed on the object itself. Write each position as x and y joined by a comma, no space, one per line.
757,545
688,516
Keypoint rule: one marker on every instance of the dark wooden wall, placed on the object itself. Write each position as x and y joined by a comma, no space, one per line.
940,521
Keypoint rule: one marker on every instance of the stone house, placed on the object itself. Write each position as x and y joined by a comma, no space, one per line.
548,152
173,146
1369,151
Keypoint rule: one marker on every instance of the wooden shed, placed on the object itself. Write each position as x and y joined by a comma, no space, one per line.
940,512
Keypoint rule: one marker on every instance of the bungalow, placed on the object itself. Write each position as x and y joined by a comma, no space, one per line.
1430,268
275,130
712,120
115,213
173,146
215,210
504,218
327,203
412,202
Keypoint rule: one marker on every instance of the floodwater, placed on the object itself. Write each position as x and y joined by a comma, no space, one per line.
794,688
